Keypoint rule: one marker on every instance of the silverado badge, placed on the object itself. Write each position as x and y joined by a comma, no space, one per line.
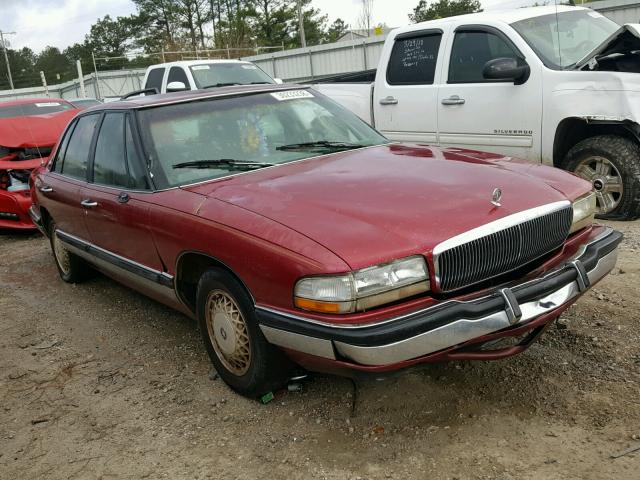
496,197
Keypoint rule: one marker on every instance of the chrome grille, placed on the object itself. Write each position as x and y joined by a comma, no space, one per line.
502,251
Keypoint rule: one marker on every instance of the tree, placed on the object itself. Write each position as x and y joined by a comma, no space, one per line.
273,21
111,37
443,8
336,30
55,65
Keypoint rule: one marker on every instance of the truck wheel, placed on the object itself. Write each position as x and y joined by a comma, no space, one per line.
72,269
240,353
612,165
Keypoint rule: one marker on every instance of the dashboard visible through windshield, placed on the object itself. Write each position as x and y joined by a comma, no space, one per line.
206,139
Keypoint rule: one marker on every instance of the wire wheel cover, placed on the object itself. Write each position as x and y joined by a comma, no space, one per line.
228,332
61,254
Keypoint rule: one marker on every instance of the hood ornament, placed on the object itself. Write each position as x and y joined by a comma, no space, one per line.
496,197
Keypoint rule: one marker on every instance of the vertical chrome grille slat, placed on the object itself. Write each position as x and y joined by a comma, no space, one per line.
502,251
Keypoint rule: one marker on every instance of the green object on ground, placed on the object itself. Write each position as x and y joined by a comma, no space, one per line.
267,397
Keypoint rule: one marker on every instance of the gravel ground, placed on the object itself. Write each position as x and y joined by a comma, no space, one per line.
97,381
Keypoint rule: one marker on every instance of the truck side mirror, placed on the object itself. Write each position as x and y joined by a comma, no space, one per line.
176,87
503,68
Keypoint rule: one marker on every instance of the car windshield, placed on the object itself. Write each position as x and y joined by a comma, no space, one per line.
564,39
218,74
39,108
206,139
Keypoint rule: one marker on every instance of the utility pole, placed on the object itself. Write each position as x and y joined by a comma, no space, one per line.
303,39
6,57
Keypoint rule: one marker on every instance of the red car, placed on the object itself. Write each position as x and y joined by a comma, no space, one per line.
29,129
295,233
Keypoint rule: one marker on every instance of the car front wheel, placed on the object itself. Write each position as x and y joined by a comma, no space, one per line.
612,165
237,348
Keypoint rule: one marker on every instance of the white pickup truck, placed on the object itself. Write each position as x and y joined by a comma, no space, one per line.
198,74
554,85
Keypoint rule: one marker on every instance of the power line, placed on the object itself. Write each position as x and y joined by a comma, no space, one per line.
6,57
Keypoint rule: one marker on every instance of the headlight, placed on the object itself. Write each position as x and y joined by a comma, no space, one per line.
363,289
584,211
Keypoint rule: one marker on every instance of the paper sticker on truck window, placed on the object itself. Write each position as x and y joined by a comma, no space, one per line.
48,104
200,67
249,67
594,14
291,95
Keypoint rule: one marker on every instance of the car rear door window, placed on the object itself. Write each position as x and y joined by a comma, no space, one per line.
109,164
154,79
471,51
413,59
74,162
177,74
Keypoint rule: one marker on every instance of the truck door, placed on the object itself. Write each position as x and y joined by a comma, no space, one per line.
405,94
492,115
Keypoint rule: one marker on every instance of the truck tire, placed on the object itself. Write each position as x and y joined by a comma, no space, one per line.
236,346
612,164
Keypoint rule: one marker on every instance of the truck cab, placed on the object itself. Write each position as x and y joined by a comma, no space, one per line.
553,85
199,74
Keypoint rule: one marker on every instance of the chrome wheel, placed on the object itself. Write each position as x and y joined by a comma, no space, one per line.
61,254
228,332
606,181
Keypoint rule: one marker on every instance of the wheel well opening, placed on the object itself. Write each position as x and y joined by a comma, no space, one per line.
573,130
191,266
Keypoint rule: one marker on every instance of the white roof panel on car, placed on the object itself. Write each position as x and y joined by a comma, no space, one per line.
507,16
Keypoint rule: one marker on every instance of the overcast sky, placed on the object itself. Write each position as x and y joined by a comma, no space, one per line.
61,23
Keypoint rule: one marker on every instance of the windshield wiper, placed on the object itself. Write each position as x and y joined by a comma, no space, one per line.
260,83
322,144
229,163
227,84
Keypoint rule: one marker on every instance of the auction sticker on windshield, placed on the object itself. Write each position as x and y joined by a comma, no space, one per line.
47,104
291,95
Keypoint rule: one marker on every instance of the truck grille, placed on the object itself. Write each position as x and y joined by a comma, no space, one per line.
502,251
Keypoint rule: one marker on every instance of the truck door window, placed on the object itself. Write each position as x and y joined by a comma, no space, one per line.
176,74
109,164
154,80
470,52
74,162
413,59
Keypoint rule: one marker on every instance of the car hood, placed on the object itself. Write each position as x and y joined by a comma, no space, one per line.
34,130
375,204
623,40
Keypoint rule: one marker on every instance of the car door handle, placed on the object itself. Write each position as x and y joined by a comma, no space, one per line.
453,100
389,100
46,189
88,203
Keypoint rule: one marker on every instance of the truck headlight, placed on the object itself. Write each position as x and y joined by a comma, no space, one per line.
363,289
584,211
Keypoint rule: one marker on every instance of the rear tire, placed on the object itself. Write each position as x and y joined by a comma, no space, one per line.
237,348
612,164
72,269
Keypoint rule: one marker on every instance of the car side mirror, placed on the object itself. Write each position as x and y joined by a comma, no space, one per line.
176,87
503,68
278,80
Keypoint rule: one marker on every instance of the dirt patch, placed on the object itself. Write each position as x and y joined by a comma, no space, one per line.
97,381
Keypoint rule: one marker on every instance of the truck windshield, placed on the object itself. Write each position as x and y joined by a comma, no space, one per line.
206,139
214,74
562,40
39,108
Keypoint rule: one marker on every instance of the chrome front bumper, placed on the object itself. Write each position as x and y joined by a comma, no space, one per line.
449,323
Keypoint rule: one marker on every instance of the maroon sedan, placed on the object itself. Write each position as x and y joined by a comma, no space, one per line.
295,233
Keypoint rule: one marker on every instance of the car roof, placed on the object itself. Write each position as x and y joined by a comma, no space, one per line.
191,95
189,63
507,16
29,101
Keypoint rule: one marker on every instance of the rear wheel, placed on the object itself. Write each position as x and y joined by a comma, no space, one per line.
237,348
72,269
612,165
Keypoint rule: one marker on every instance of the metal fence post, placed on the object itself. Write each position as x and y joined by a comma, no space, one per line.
364,54
83,92
95,70
311,65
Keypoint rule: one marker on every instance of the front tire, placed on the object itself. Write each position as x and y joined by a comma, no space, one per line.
612,165
72,269
237,348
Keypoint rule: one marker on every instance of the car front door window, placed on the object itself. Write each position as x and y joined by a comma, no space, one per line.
76,156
